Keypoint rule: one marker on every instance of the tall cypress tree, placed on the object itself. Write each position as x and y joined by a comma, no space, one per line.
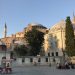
69,35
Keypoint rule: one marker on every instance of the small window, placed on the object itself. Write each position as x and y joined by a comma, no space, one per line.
52,54
56,53
54,60
46,59
49,54
31,60
23,60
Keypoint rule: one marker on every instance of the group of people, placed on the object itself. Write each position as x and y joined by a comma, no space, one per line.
66,65
6,69
5,66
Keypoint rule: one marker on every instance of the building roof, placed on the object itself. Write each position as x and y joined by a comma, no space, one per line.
2,43
19,42
36,24
60,25
19,33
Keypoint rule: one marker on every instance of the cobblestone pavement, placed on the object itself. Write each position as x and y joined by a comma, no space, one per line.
40,70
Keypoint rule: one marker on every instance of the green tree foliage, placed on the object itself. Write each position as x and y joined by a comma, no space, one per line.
69,35
20,50
35,39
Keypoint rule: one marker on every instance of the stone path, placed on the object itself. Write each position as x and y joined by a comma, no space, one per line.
40,70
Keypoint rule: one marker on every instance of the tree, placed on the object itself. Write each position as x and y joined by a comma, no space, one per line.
35,39
20,50
69,35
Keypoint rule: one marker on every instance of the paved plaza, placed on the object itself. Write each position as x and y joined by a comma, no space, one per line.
40,70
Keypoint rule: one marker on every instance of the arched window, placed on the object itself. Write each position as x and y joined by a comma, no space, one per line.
52,53
31,60
46,59
49,54
56,53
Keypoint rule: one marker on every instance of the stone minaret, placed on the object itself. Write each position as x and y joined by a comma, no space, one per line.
73,20
5,31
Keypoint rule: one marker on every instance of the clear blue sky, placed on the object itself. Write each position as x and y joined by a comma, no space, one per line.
18,13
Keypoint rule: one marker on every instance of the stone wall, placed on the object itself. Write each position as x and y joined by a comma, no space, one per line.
36,60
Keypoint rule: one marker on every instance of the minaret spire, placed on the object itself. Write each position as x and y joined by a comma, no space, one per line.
5,30
73,20
73,14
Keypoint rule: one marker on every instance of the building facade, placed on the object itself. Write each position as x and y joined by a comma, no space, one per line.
54,40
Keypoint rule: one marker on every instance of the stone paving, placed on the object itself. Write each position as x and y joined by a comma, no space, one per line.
40,70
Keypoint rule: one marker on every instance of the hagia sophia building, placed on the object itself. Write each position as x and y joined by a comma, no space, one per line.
54,38
19,36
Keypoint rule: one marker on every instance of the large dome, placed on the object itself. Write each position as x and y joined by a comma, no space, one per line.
60,25
33,24
37,25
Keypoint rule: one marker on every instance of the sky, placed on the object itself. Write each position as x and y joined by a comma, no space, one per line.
17,14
